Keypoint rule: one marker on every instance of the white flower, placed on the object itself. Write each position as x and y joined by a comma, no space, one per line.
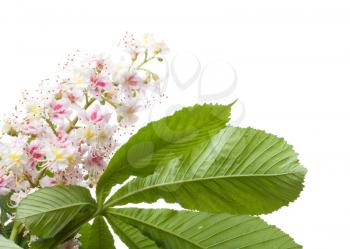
47,181
131,80
160,48
13,156
10,126
98,135
95,160
147,41
99,83
101,62
59,109
78,78
71,176
128,112
95,115
66,128
4,182
35,127
74,96
87,134
20,195
17,197
58,158
34,110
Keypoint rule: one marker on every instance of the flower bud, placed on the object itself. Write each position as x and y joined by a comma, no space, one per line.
134,56
155,76
59,95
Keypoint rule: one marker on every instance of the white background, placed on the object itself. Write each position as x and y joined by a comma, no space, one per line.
292,60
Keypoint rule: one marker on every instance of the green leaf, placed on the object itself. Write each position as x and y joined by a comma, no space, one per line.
188,230
68,232
7,244
100,236
47,211
161,140
242,170
131,236
84,232
6,230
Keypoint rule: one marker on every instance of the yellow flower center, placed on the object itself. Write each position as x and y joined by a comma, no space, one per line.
58,155
89,133
34,110
16,159
70,159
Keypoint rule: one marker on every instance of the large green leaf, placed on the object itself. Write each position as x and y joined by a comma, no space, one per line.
47,211
100,236
242,170
189,230
161,140
7,244
130,235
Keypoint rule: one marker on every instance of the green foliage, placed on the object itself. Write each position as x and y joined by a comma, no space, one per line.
48,210
85,232
187,230
97,235
162,140
7,244
223,174
130,235
5,212
242,171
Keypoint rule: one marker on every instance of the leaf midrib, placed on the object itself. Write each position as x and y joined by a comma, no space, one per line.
158,228
167,145
122,231
115,202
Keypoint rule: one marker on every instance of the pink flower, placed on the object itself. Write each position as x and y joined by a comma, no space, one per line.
59,109
128,112
95,160
96,116
98,83
34,152
67,127
131,80
34,127
4,190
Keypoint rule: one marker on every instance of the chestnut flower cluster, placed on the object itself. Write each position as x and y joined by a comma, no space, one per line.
66,133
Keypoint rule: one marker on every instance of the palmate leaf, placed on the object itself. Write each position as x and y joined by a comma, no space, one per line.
131,236
7,244
160,140
242,171
189,230
47,211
